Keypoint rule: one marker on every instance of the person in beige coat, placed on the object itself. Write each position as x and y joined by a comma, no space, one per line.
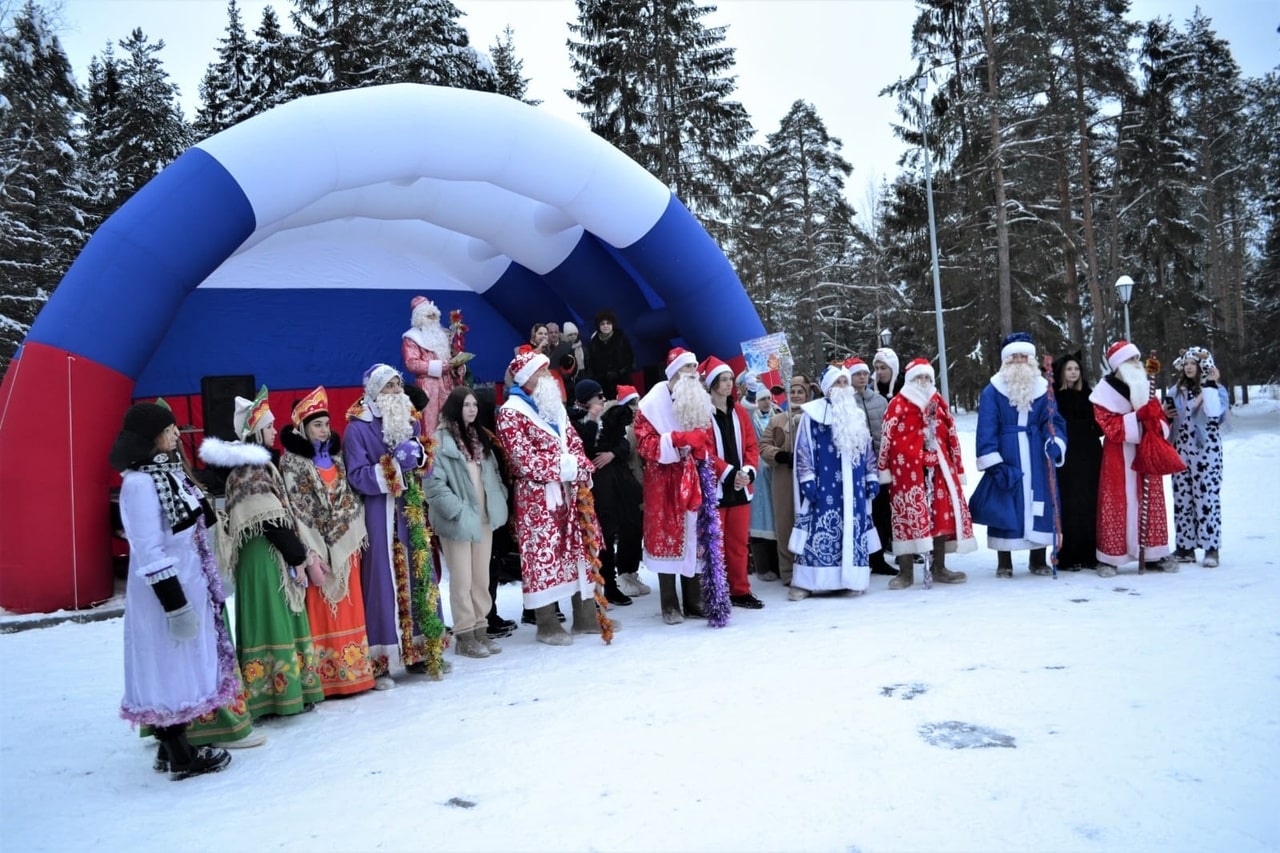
777,447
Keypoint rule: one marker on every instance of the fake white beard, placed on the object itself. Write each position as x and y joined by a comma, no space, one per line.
691,403
1135,377
433,334
397,418
849,428
546,396
1020,380
920,390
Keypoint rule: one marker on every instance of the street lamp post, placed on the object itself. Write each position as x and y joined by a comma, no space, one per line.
1124,289
921,84
886,337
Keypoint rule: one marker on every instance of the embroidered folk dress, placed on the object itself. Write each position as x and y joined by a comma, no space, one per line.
835,535
335,608
554,562
273,634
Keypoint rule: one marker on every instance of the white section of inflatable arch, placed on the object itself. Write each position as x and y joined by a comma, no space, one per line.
415,186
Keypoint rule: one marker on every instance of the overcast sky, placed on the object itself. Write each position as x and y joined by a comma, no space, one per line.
836,54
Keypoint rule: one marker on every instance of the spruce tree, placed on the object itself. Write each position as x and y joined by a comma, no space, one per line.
508,69
225,90
42,221
274,67
655,81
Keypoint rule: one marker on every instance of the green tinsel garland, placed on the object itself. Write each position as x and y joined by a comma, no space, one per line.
426,595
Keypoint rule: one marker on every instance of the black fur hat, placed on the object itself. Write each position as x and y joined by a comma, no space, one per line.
136,442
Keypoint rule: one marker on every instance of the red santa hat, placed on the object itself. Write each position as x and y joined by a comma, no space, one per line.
422,308
918,367
856,365
627,393
678,358
525,364
1120,352
711,368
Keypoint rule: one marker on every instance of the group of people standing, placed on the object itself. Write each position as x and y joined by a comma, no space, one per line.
334,549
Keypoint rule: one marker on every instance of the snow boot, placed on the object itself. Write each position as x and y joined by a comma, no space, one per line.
906,572
1211,558
1185,555
1038,564
941,574
630,584
1106,571
549,629
186,760
797,593
614,595
691,589
1004,564
670,602
481,635
469,646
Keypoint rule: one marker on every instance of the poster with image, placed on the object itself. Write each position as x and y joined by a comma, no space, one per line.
769,359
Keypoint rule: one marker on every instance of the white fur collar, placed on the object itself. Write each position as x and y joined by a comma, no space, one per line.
232,454
435,340
819,410
1110,399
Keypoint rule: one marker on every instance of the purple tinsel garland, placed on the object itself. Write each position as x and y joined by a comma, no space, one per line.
712,579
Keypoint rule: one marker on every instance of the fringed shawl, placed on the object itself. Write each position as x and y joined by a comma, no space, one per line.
255,499
331,525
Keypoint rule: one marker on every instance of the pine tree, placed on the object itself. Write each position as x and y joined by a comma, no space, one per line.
225,90
809,172
654,81
42,221
508,69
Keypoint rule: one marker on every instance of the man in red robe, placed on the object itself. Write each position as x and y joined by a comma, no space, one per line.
1126,411
920,459
673,430
549,466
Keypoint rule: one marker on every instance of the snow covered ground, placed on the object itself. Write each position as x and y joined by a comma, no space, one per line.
1133,713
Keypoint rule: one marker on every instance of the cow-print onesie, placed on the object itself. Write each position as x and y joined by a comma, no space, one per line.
1197,509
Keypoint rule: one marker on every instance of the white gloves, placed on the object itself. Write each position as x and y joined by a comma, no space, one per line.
568,468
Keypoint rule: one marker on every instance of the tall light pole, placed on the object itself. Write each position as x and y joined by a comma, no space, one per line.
921,84
886,337
1124,289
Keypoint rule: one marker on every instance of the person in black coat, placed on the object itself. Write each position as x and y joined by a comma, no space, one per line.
610,360
615,490
1078,476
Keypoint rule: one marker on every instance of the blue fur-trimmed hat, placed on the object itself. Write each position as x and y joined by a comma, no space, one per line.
1019,343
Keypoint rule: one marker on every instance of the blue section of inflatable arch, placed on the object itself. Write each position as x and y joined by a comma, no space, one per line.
134,274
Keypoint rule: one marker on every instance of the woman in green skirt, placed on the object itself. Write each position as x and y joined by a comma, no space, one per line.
273,635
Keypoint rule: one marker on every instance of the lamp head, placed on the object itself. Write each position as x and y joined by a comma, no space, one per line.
1124,288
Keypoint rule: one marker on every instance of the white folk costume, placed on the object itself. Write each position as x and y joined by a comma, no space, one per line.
550,471
920,459
426,350
833,489
1121,533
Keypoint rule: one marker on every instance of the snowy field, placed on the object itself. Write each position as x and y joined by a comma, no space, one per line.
1127,714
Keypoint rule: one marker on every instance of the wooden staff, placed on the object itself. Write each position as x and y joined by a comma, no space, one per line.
1053,474
1152,367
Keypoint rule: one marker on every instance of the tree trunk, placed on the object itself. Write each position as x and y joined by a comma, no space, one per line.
1086,190
997,175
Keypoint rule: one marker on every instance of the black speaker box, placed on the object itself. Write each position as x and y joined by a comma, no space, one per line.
218,398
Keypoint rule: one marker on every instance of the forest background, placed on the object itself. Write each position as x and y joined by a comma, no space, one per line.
1069,144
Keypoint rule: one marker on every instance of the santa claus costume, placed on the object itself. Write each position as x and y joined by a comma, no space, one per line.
920,461
555,522
426,351
1126,412
674,438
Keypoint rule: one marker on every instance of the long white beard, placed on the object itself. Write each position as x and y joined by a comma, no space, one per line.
691,403
1020,381
849,428
546,396
1136,378
434,336
397,418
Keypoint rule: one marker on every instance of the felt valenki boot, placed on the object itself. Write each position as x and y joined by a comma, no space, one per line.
691,589
670,601
1038,564
468,646
941,574
584,616
906,572
549,628
1004,564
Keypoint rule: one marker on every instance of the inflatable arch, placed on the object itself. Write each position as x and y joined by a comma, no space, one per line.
289,247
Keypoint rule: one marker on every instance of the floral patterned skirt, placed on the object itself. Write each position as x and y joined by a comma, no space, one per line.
277,656
341,644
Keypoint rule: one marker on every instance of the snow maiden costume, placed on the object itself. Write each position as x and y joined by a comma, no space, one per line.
426,351
273,634
178,659
834,535
330,522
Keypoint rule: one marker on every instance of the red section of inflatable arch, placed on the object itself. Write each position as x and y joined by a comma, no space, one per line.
55,537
